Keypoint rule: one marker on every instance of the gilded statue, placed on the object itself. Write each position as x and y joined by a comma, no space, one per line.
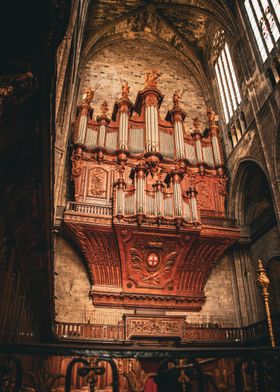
104,108
88,95
196,123
76,165
125,89
211,116
176,98
152,78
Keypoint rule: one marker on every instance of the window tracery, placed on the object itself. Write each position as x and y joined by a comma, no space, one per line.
228,86
264,18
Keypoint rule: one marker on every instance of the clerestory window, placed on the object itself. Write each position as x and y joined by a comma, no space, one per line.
264,17
227,83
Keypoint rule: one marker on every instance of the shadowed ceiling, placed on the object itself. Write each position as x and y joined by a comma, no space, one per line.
184,26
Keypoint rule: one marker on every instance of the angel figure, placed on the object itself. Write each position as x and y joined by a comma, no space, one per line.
152,78
125,89
177,96
104,108
196,123
211,116
88,95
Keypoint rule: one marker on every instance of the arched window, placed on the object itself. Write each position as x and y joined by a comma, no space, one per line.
227,82
264,17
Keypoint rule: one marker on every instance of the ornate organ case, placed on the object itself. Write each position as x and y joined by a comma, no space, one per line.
148,213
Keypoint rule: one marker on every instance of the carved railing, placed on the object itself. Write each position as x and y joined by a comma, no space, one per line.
93,209
218,221
207,332
89,331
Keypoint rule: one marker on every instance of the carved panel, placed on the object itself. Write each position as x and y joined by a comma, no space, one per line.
97,183
152,326
205,195
151,261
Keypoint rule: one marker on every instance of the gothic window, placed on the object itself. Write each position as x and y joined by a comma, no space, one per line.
227,82
264,17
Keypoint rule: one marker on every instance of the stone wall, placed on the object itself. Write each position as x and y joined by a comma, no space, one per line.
72,285
130,60
74,305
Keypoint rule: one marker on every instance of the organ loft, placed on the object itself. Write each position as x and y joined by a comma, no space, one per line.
148,210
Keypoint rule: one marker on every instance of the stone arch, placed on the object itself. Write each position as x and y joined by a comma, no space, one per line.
108,62
187,59
250,193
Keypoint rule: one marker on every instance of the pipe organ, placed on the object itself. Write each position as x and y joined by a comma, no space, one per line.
148,214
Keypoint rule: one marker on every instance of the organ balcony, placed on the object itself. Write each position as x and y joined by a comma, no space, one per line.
148,213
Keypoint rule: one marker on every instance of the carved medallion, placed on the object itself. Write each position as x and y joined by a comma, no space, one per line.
153,260
151,269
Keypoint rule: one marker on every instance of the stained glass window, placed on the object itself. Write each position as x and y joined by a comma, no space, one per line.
227,83
264,17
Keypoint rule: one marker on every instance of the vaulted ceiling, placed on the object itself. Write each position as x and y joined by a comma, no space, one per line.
183,27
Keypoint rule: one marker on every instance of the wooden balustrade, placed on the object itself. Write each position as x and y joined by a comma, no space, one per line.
194,333
90,208
218,221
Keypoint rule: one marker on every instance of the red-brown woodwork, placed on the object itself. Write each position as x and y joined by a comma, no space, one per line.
160,255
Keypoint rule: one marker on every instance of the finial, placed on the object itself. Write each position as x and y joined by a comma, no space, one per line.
152,78
88,95
125,89
177,96
263,280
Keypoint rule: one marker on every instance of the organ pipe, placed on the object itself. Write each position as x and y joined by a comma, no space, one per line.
140,188
151,121
177,194
178,115
193,202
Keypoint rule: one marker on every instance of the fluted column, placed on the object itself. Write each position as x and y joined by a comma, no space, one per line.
197,137
103,120
213,128
124,105
120,198
85,110
140,188
159,197
151,121
178,115
193,203
177,192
